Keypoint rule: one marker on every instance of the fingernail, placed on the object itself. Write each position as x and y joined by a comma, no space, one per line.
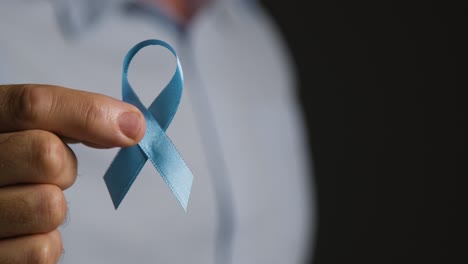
130,124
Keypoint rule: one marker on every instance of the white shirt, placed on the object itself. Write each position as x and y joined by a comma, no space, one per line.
241,71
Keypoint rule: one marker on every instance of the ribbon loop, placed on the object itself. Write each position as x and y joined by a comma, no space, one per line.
155,145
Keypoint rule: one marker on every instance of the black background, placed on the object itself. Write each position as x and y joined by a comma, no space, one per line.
381,86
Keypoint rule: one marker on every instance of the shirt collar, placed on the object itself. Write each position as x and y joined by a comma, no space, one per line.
76,16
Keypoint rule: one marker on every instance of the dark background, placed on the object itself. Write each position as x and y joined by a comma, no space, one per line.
381,86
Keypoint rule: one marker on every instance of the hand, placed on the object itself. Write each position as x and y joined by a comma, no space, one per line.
36,165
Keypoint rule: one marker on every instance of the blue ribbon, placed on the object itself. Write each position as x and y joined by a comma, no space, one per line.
155,145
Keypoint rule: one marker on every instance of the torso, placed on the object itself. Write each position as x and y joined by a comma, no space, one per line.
255,114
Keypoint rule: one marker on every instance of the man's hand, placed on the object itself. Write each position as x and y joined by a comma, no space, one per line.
36,165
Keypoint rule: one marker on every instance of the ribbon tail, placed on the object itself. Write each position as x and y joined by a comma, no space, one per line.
172,168
123,172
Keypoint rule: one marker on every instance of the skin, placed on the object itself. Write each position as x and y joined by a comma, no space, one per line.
180,11
36,164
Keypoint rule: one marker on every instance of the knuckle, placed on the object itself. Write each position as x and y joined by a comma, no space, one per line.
44,251
27,101
41,253
52,207
69,178
49,154
93,113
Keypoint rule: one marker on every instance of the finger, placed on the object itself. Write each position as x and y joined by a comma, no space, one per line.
84,116
36,156
40,248
31,209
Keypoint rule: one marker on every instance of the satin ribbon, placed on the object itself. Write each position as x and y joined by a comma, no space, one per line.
155,145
